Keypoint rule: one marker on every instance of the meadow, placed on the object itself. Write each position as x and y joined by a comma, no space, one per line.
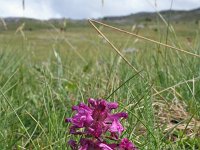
45,71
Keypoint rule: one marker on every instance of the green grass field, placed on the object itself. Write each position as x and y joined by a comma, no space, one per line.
43,72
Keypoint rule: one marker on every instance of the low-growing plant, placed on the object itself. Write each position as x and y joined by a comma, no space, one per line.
100,129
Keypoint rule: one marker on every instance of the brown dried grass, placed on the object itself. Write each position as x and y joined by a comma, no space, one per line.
174,117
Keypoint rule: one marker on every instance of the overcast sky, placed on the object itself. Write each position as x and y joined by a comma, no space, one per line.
79,9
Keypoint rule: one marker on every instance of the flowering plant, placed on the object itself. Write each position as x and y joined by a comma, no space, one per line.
97,125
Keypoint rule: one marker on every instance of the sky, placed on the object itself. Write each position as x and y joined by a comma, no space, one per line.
80,9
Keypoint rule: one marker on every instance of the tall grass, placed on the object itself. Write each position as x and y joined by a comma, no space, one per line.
37,93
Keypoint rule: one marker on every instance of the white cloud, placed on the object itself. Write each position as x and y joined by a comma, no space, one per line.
33,9
78,9
39,9
10,7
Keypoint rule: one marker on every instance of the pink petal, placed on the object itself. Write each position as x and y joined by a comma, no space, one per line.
116,127
104,147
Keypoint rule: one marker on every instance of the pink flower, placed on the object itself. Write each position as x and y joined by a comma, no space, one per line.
96,118
93,122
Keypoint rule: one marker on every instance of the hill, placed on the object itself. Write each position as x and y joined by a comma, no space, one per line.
173,15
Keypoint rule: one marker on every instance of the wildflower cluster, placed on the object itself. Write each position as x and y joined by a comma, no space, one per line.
98,125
